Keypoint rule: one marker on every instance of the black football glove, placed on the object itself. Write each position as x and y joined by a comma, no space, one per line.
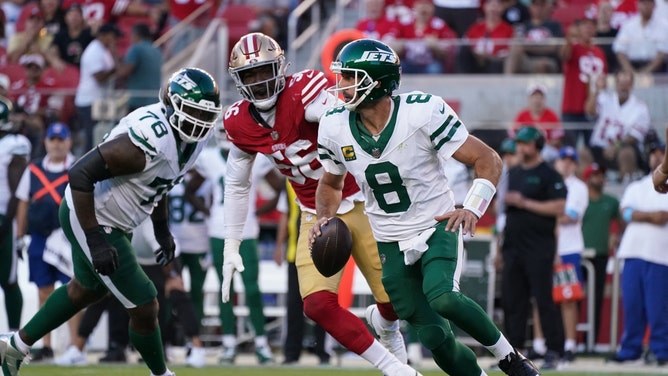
105,256
163,236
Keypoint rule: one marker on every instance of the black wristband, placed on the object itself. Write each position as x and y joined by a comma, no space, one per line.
94,233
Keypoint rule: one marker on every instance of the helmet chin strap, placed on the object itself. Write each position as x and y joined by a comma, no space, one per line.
353,106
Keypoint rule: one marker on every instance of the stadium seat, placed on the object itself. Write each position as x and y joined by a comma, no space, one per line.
238,18
567,15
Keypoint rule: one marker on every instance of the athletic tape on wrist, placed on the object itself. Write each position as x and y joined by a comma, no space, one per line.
231,246
479,196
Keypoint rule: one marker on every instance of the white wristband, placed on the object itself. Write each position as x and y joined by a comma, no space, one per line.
479,196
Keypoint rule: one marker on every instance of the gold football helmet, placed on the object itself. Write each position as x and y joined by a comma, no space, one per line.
257,66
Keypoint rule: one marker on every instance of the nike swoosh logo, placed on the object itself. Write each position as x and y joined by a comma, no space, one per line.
442,111
325,101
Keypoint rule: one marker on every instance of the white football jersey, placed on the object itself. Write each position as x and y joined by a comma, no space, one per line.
616,121
124,202
187,225
400,172
10,145
213,167
570,238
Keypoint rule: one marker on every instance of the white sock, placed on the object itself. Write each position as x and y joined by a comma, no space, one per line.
501,348
381,358
20,345
229,340
569,345
539,346
261,341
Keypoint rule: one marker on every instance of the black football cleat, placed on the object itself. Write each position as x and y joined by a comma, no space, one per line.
515,364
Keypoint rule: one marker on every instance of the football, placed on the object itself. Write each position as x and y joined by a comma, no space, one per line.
331,250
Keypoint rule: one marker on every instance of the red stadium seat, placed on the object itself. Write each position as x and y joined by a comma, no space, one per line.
238,18
15,72
567,15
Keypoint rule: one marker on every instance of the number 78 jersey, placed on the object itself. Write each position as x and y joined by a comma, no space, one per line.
400,172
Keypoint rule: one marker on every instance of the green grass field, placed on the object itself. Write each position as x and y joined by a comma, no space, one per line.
122,370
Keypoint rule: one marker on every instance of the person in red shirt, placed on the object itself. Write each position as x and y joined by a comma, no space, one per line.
582,63
425,43
377,25
622,11
488,41
538,115
34,103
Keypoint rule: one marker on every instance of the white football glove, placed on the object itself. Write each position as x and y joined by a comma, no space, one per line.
232,262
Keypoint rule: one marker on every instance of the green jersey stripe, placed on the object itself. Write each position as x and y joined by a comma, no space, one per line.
441,129
447,138
328,157
143,141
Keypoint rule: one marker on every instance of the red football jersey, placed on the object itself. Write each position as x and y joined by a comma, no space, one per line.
102,10
33,98
586,63
493,42
292,144
624,9
548,121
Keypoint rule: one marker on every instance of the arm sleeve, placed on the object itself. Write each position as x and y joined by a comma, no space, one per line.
320,105
237,192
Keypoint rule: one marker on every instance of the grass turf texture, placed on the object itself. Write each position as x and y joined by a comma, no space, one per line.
123,370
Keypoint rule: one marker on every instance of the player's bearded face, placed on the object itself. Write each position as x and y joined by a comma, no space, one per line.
261,81
348,84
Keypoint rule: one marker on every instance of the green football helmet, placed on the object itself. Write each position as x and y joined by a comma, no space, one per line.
6,108
375,67
192,100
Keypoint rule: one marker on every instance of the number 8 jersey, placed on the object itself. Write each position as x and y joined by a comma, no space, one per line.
400,171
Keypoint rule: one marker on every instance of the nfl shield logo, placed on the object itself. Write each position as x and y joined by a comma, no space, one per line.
274,135
375,152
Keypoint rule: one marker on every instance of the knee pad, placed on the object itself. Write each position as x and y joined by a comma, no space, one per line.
433,336
318,305
446,303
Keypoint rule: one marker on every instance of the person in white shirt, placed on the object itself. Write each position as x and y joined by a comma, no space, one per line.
98,66
570,242
622,124
645,273
642,42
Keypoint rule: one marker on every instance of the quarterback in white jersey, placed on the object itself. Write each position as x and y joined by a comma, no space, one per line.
14,154
112,189
394,146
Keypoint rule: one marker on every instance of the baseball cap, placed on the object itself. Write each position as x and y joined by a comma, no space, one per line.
59,130
591,169
568,152
110,27
536,87
36,59
73,6
508,146
527,134
654,145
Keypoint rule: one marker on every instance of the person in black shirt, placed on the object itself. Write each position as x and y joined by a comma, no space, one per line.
536,196
69,43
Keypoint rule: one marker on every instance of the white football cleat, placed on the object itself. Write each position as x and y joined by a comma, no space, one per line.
390,337
71,357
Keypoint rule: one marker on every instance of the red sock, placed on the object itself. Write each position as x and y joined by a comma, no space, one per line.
349,330
387,311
